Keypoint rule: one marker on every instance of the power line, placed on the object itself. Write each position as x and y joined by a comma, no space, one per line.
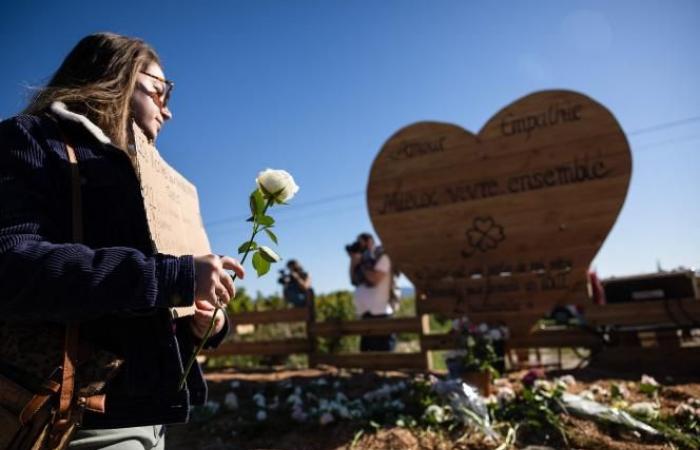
316,217
689,137
337,197
297,206
663,126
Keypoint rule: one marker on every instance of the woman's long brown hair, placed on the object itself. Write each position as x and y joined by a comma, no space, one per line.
97,80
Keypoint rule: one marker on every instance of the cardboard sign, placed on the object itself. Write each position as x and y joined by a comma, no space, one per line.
172,205
508,219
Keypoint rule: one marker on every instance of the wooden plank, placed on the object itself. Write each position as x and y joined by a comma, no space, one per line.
368,327
280,347
540,339
375,360
682,312
658,362
272,316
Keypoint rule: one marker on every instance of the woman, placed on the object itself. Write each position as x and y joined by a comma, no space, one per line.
113,283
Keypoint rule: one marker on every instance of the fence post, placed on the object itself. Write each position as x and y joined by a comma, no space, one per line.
425,329
311,329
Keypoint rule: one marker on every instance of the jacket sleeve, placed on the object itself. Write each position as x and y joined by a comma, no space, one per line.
44,280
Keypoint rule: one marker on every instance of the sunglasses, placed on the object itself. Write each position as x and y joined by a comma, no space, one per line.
160,99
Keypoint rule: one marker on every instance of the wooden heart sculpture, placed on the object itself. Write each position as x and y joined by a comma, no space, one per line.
508,219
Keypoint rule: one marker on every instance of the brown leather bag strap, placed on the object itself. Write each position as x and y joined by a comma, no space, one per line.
70,353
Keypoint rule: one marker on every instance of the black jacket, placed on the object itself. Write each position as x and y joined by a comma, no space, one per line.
113,283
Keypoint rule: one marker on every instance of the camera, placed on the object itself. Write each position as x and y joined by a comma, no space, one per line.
355,247
285,278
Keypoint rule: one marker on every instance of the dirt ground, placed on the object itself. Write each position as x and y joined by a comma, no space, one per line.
217,435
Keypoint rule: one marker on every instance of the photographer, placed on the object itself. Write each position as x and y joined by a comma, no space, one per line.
296,284
371,274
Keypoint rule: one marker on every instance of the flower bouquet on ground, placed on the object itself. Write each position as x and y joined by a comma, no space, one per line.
480,355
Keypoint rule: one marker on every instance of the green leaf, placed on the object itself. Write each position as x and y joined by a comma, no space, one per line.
250,245
269,254
266,221
260,264
257,202
271,235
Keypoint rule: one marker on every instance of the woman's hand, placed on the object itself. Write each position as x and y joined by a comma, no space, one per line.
212,283
202,319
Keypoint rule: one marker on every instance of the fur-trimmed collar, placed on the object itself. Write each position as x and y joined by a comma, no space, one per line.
60,109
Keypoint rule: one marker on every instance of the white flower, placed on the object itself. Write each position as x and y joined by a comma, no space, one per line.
646,379
568,380
278,182
261,416
644,409
543,385
231,401
326,418
321,382
235,384
684,409
505,394
340,397
482,328
435,412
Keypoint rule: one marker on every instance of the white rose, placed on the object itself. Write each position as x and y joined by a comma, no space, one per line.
261,416
277,181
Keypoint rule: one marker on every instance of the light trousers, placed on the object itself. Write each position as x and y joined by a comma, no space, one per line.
150,437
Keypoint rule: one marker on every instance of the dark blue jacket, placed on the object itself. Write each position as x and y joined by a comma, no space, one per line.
113,283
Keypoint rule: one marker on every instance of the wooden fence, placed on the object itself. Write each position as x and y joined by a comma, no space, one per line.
662,320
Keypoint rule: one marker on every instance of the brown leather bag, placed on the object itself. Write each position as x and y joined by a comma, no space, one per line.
42,411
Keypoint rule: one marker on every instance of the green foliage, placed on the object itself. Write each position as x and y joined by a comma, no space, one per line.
534,412
336,306
241,303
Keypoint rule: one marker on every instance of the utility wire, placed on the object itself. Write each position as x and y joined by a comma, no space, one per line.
334,198
663,126
297,206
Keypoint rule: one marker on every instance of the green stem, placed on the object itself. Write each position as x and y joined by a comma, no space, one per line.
193,357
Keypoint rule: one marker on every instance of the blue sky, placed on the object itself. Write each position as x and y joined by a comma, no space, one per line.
316,87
